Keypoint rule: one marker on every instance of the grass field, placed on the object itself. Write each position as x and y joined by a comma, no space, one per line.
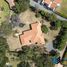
62,10
4,10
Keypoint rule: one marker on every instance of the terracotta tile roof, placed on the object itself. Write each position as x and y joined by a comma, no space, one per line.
53,5
11,3
32,36
47,1
58,1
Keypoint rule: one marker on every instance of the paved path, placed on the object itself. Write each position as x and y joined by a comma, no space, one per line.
49,46
34,4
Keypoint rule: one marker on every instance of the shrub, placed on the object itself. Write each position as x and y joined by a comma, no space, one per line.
21,6
21,25
44,29
55,25
37,14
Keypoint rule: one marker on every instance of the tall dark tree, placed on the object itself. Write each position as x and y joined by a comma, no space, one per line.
61,39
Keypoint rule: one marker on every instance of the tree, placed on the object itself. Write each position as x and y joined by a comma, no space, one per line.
21,25
55,25
43,61
44,29
3,48
35,54
23,64
64,24
61,39
6,28
52,17
21,5
54,53
37,14
15,20
42,13
58,24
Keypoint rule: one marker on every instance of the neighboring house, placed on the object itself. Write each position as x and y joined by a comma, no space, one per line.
52,3
11,3
32,36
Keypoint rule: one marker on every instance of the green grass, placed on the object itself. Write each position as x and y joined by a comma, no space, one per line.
5,12
63,9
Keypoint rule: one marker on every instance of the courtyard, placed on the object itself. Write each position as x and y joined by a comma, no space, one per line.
27,18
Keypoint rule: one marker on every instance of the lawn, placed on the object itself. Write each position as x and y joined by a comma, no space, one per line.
62,10
4,10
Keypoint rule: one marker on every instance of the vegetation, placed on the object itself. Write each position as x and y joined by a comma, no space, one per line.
55,25
63,9
36,55
24,64
64,24
21,6
44,29
3,48
54,53
47,16
21,25
37,14
4,10
64,60
6,28
15,20
61,39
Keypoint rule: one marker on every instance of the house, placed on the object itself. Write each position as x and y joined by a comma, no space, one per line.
32,36
11,3
52,4
46,2
58,2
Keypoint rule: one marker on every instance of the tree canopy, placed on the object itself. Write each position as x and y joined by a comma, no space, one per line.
6,28
55,25
23,64
3,48
21,5
61,39
44,29
36,55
